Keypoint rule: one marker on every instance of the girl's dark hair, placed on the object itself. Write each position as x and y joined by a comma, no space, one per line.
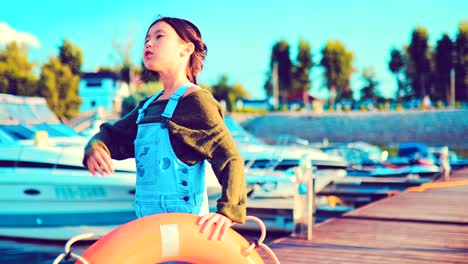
189,33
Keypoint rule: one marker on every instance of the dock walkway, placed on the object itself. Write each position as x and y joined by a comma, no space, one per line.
416,226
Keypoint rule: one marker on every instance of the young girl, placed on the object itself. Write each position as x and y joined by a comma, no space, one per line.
172,133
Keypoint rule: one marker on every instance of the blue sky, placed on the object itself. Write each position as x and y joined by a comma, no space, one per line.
239,34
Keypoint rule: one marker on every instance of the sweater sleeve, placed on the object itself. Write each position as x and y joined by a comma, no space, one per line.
117,139
199,123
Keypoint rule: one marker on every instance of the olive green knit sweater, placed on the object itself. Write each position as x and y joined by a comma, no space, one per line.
197,132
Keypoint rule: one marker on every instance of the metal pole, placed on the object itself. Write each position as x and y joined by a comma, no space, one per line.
304,207
275,87
452,88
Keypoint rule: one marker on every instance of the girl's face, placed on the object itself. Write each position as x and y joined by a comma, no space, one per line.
164,49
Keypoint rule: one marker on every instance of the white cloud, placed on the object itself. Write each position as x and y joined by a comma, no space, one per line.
8,34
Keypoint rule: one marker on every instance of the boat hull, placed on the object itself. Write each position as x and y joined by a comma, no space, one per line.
40,203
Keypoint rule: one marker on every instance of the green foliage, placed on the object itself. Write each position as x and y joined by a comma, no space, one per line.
16,72
381,107
268,85
106,69
280,58
396,66
443,64
206,87
59,86
301,81
143,91
337,62
290,78
247,110
57,82
370,84
399,107
124,73
72,56
461,62
420,57
223,91
148,75
440,104
301,71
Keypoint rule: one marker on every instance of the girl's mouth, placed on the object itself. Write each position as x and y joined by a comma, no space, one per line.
147,53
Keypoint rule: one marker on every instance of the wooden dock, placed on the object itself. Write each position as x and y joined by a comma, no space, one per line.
419,226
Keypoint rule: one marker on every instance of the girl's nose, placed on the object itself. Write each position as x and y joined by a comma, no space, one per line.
148,44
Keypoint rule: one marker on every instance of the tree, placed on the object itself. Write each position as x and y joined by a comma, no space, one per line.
238,91
368,92
16,72
206,87
72,56
60,86
144,90
301,80
461,62
280,57
396,66
420,57
443,64
337,62
123,50
222,91
148,75
125,73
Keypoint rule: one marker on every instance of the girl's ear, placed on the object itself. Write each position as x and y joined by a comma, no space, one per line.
189,48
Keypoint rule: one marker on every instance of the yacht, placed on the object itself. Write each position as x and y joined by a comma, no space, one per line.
270,169
46,193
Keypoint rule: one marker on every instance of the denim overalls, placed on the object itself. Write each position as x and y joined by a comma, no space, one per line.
165,184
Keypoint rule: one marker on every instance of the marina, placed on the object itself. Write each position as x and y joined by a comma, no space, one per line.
145,132
427,223
421,226
384,212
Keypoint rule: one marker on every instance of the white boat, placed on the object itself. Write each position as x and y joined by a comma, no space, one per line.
270,168
45,191
44,203
276,184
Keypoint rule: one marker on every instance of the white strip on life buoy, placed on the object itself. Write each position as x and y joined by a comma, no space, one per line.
169,240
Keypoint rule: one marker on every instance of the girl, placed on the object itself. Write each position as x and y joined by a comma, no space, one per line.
172,133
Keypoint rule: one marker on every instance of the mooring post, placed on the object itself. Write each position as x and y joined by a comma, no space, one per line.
304,200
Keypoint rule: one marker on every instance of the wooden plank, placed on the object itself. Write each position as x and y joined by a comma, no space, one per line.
448,204
413,227
367,241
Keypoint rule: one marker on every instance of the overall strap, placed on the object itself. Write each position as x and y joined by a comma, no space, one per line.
141,111
172,104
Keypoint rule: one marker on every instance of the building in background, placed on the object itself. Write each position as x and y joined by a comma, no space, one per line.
102,90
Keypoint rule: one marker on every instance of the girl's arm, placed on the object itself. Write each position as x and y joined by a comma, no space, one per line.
198,121
115,139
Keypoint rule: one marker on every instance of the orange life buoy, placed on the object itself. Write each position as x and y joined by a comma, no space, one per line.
168,237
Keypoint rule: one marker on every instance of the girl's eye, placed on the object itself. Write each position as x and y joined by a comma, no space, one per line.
159,36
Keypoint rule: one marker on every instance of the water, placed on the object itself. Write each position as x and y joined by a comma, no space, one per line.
15,251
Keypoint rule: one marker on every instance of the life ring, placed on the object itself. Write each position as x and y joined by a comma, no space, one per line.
168,237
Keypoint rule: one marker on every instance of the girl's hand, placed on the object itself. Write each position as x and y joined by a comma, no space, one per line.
98,160
221,225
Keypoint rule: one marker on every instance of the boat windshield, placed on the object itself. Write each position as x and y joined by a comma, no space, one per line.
25,132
